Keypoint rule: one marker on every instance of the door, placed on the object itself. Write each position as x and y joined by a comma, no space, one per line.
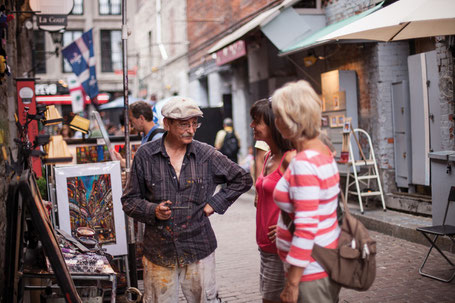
401,133
425,113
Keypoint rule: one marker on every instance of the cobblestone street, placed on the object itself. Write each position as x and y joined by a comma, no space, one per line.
397,278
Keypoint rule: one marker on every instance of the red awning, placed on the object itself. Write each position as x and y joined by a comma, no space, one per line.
66,99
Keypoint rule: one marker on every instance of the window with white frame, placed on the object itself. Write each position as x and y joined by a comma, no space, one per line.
78,8
110,7
111,44
68,37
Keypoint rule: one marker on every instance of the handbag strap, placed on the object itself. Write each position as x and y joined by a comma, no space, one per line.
287,220
345,204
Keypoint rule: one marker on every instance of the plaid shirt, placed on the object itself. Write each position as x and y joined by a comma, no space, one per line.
187,236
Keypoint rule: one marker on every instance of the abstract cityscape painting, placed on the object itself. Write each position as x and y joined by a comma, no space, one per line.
88,195
90,205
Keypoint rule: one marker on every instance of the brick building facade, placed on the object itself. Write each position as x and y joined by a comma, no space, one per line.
207,23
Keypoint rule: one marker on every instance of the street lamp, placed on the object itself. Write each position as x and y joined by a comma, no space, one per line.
57,37
52,17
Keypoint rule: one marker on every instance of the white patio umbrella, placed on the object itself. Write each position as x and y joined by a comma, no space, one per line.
404,19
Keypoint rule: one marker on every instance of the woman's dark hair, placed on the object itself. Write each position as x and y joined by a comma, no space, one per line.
262,109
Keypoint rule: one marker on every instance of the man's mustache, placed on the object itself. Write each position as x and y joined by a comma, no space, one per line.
187,136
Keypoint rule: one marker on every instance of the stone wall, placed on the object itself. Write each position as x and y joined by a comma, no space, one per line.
388,64
446,63
18,49
337,10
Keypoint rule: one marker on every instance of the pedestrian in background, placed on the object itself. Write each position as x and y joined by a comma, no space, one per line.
66,132
276,161
140,115
171,189
227,141
247,163
307,196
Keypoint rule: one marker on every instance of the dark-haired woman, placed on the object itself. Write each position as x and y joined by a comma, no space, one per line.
275,163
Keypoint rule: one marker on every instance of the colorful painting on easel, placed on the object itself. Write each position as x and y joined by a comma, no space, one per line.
90,204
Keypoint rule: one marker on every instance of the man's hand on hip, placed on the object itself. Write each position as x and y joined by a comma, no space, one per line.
208,210
162,211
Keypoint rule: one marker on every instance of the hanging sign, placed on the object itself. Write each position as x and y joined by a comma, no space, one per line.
50,13
26,98
231,52
58,20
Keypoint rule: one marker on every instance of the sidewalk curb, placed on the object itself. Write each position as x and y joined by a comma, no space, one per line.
402,232
393,223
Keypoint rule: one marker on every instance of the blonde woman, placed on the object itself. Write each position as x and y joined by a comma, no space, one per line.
308,192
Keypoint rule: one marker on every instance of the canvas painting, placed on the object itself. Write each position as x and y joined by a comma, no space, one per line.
347,125
90,204
88,195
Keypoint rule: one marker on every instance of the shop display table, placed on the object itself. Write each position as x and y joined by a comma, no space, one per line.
106,274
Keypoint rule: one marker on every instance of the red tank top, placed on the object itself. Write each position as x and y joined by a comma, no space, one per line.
266,210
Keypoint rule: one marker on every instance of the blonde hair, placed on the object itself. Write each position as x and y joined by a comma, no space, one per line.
298,105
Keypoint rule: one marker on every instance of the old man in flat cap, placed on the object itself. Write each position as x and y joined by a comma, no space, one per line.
171,189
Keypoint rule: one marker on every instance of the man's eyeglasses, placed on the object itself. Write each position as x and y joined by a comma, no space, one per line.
186,125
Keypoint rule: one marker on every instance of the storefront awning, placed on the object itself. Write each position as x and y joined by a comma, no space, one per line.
259,20
312,40
290,27
402,20
66,99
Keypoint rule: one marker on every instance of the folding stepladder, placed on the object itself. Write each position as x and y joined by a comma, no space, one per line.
362,181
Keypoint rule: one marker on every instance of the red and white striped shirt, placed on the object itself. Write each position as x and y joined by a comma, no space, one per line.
308,191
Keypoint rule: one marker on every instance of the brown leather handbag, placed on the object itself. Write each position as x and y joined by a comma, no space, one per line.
353,263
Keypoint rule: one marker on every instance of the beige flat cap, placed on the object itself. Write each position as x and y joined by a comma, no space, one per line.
181,108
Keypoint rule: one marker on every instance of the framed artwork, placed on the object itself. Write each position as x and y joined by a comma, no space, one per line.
340,120
92,154
333,121
89,195
324,121
347,125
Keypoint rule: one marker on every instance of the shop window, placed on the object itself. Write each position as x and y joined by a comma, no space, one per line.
78,8
68,37
306,4
308,7
40,52
111,44
110,7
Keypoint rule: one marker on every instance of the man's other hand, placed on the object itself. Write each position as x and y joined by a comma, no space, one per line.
208,210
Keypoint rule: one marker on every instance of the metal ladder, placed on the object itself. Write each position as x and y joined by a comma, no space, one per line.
365,178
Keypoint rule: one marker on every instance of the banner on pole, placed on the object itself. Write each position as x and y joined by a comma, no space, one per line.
81,56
